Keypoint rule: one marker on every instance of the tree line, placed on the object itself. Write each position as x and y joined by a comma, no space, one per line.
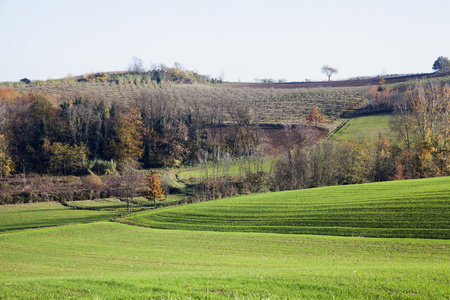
37,135
421,147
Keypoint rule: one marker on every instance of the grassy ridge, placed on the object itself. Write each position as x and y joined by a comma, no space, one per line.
33,215
116,261
367,127
413,208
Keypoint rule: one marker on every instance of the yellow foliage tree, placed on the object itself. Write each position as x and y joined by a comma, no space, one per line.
6,164
154,190
129,135
65,159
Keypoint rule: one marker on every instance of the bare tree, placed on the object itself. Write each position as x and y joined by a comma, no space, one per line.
136,66
329,71
130,182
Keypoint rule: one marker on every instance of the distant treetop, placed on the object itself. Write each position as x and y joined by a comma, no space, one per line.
441,64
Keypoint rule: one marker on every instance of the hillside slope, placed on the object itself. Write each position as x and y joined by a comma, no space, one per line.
413,208
366,126
389,79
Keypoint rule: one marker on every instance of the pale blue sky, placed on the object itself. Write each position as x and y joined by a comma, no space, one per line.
241,39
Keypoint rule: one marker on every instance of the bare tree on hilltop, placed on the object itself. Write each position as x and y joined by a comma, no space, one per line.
136,66
329,71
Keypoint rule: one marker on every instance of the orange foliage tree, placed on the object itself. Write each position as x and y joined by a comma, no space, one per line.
8,94
154,190
314,116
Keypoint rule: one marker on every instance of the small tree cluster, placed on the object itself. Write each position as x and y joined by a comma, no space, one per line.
66,159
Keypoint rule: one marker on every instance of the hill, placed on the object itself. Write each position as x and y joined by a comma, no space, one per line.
104,260
272,103
272,106
413,208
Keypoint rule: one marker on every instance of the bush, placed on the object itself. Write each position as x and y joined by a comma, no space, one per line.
103,167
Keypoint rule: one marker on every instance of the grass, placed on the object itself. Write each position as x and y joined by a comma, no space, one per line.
120,207
115,261
106,260
233,168
412,208
368,127
33,215
109,204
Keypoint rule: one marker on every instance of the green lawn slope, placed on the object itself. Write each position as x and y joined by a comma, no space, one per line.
107,260
367,127
44,214
411,208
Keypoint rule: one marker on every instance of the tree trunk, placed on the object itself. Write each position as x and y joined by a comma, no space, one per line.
129,206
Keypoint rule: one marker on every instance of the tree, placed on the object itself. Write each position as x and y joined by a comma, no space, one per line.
66,159
136,66
422,120
94,183
6,164
80,120
329,71
441,64
129,131
33,124
165,128
314,116
129,182
154,190
8,97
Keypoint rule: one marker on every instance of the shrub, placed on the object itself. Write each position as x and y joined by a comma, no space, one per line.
103,167
25,80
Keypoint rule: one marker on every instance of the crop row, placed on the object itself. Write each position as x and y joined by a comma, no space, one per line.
415,208
269,105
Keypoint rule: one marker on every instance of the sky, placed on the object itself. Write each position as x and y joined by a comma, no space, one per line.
238,39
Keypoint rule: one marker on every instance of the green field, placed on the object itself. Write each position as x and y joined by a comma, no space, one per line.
116,261
106,260
100,204
412,208
234,168
34,215
367,127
